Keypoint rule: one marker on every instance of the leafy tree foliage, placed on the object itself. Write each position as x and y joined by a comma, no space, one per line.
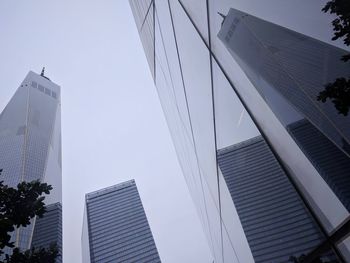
341,25
17,208
41,255
339,91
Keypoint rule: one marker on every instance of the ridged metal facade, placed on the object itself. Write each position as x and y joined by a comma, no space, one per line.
334,170
275,221
116,227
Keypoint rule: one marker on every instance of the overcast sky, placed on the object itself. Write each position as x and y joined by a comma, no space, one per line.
113,126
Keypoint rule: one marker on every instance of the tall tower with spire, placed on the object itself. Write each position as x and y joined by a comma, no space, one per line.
30,149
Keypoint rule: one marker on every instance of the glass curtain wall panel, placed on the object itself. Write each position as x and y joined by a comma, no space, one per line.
48,229
218,96
144,11
285,67
325,202
30,143
274,219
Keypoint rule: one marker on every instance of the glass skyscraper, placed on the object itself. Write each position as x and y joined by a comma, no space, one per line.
30,149
267,164
115,227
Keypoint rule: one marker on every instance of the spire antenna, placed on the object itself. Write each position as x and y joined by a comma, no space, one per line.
42,72
223,17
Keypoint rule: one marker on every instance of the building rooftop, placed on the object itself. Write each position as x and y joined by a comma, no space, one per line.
109,189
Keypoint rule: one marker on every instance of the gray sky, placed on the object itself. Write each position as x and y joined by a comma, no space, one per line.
112,123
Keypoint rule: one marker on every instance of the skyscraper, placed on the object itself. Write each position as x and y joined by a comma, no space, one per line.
115,227
289,70
30,149
267,164
275,221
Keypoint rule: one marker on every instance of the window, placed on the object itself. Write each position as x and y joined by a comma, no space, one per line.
41,88
47,91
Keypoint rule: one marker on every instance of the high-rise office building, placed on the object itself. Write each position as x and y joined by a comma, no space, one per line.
30,149
289,70
267,164
115,227
275,221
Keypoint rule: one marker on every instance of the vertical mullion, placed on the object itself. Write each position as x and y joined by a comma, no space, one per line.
190,120
214,126
279,160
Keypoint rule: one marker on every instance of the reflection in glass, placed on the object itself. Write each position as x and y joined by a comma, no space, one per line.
289,70
276,223
248,209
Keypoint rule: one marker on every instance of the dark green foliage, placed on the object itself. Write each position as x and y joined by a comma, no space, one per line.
345,57
339,91
17,208
33,255
341,25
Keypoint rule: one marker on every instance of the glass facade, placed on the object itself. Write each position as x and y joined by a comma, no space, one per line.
30,144
267,164
48,229
276,223
115,227
289,70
